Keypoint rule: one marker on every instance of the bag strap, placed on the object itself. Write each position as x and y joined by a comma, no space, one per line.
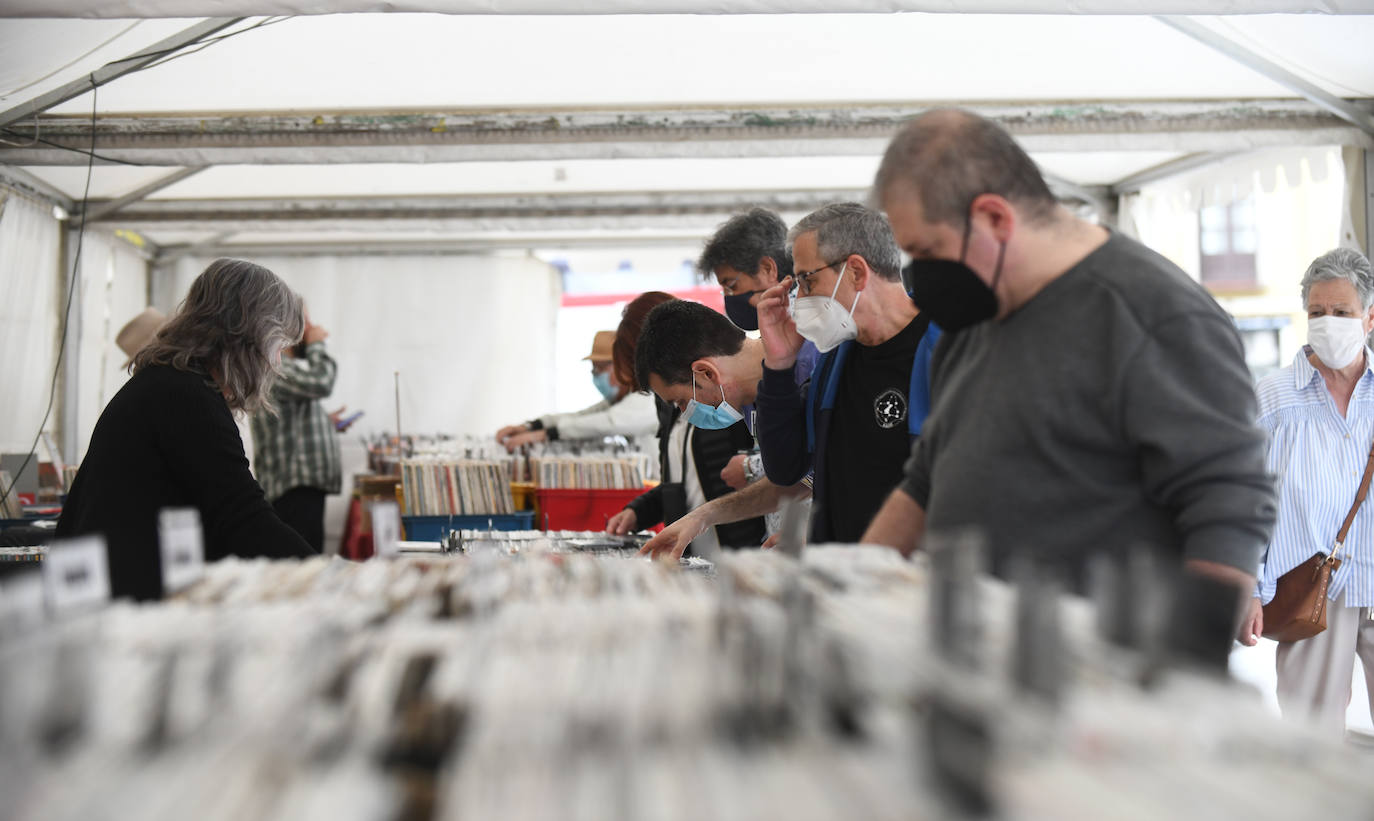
1359,498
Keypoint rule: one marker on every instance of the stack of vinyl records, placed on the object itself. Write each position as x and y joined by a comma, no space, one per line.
548,682
436,486
587,473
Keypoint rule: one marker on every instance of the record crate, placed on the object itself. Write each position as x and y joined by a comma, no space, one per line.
523,494
435,528
580,508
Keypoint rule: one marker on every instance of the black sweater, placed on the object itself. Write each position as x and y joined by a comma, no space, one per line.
167,439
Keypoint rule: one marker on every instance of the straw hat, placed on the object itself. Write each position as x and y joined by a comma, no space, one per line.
139,331
601,347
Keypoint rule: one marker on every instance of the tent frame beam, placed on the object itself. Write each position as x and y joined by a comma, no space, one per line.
1172,168
168,254
24,181
109,208
1336,105
476,208
565,134
117,68
1369,203
475,245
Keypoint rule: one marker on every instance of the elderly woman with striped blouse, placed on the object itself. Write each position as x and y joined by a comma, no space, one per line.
1319,414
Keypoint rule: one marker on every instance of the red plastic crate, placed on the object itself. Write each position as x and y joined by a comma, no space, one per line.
579,509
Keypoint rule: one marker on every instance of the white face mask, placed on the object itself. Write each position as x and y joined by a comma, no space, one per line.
1336,340
823,320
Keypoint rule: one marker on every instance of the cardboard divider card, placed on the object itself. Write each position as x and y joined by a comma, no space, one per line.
386,528
76,574
182,543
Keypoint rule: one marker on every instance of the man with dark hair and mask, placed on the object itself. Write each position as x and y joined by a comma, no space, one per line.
746,256
1088,397
850,426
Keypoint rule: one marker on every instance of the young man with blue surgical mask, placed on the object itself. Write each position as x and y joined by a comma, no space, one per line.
697,363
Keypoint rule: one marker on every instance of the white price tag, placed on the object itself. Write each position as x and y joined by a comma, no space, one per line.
386,529
183,547
76,574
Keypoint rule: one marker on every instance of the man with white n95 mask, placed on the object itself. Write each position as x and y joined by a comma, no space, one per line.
851,425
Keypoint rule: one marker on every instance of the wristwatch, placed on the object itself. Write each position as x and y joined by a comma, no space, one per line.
749,473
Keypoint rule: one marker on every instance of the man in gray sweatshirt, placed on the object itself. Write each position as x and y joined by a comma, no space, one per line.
1088,395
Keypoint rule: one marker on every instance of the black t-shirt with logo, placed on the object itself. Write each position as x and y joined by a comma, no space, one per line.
869,441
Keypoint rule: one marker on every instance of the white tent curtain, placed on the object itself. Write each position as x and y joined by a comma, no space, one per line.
1298,199
449,324
114,287
29,309
1299,196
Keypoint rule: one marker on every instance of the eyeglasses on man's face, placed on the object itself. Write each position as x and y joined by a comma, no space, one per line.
804,279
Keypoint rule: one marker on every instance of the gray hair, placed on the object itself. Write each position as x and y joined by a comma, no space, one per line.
844,228
1342,263
947,157
233,324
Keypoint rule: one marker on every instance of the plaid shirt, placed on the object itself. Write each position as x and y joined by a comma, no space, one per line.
298,447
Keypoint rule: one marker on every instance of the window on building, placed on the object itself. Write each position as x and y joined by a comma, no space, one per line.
1260,336
1228,240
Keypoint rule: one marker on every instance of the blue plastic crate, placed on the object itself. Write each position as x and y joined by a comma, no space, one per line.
435,528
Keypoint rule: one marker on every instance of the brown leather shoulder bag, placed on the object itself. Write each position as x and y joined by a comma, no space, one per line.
1298,609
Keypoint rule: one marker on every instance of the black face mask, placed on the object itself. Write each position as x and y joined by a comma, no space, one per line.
950,293
741,313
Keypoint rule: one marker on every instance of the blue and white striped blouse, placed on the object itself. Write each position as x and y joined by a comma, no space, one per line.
1318,458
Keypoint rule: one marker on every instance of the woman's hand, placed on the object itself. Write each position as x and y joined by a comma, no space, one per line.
1251,624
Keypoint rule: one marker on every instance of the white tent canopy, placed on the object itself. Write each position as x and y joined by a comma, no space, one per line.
494,128
525,127
169,8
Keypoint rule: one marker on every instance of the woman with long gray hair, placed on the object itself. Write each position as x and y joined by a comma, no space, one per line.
168,438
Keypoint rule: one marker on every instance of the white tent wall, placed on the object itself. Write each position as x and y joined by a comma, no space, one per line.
114,287
472,337
30,294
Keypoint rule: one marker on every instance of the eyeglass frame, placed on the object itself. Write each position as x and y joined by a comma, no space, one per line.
800,278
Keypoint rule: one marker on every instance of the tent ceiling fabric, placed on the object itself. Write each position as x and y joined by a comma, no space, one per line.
391,62
180,8
503,123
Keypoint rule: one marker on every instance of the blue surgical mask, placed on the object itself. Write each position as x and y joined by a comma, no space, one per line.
709,418
602,381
